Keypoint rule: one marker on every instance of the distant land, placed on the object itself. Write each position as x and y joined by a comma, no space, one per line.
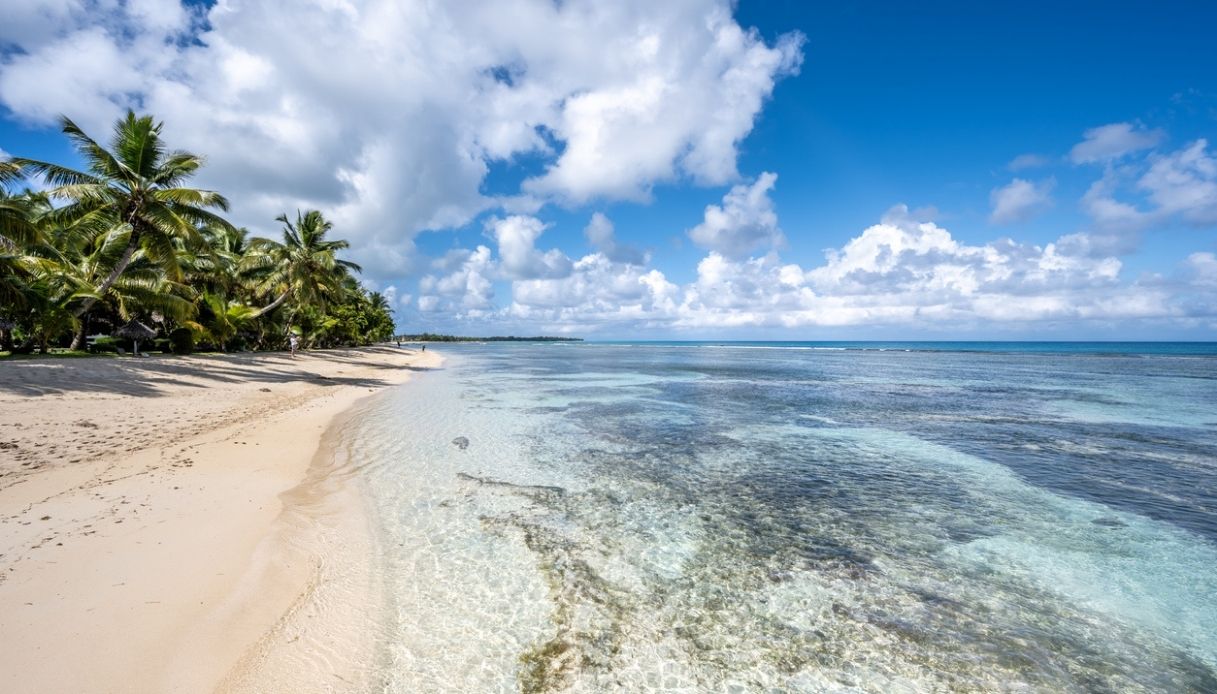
429,337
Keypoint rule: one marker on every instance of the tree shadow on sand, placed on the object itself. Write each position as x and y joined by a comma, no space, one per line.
148,377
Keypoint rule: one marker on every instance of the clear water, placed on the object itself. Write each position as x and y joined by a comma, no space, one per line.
701,518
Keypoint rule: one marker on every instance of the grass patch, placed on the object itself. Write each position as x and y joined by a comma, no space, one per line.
57,354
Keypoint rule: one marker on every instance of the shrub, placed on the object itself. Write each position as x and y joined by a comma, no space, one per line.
182,340
104,344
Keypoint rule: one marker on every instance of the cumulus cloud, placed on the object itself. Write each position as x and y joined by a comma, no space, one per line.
903,271
463,283
744,222
1128,199
600,233
519,257
36,20
1109,214
1020,200
1109,142
1184,183
598,293
389,113
1203,267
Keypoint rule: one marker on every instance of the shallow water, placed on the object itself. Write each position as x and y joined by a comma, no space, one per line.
671,518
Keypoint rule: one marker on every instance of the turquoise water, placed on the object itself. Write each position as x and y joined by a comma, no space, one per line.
680,517
1123,348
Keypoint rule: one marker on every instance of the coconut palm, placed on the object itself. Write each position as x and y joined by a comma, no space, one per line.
223,319
135,186
16,226
304,269
378,302
17,230
127,242
65,269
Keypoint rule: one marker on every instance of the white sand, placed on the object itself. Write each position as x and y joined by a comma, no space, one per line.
166,524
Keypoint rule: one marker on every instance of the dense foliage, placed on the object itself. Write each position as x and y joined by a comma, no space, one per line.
125,243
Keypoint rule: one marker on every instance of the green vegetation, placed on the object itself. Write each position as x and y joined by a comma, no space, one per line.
126,242
431,337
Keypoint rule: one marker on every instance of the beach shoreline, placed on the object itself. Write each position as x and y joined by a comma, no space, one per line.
165,522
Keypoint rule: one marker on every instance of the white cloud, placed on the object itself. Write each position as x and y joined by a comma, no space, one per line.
1109,142
36,21
1027,161
600,233
519,257
389,113
1184,183
1128,199
1020,200
670,105
1203,268
597,293
900,272
744,222
465,284
1110,215
159,15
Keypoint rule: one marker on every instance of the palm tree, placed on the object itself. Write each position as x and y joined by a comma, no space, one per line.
136,187
304,268
64,269
378,302
17,231
223,319
16,226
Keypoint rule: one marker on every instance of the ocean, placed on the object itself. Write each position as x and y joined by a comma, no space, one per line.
861,517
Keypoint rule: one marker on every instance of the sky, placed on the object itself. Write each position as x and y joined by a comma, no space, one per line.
686,169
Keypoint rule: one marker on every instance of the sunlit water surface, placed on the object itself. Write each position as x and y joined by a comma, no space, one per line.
725,518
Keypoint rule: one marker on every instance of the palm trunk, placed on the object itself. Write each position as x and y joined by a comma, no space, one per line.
271,306
79,338
105,285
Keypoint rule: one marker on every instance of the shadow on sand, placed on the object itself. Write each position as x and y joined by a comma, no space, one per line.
144,377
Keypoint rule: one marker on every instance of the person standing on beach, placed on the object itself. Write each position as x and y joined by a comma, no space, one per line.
293,342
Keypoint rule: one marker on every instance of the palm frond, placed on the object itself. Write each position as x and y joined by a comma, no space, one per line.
102,162
54,174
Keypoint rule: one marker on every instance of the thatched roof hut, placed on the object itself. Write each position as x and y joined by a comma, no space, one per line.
136,330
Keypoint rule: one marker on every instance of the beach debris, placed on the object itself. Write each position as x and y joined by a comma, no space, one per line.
264,390
461,442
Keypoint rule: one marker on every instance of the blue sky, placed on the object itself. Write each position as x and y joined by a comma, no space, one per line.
465,154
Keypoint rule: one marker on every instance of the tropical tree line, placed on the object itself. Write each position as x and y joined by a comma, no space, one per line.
126,247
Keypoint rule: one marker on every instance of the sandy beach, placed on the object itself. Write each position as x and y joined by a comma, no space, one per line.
160,519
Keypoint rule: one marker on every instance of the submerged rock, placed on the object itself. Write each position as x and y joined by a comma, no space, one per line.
461,442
